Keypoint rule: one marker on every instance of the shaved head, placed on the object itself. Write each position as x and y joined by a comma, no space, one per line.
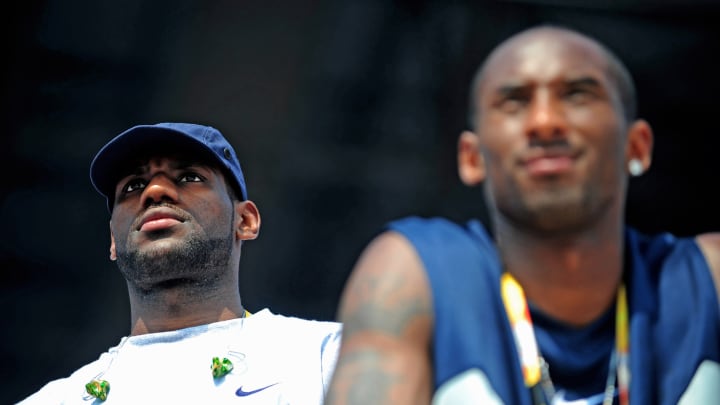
615,69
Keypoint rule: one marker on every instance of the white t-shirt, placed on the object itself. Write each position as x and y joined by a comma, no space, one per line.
277,360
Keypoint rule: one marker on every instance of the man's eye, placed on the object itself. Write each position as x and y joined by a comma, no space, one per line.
135,184
512,99
578,95
512,104
190,178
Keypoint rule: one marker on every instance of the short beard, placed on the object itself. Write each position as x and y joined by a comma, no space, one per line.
564,213
200,262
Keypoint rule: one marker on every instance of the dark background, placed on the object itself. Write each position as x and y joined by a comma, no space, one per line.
344,113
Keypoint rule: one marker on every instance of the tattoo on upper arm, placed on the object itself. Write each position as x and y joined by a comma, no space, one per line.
386,314
361,380
385,303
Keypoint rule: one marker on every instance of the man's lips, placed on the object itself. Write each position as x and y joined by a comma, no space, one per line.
549,165
158,224
159,219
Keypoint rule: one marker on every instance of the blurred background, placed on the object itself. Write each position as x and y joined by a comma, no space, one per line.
344,113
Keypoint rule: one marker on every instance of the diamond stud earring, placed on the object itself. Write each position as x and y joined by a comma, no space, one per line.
635,167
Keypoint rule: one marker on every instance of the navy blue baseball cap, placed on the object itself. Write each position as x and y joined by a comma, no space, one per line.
106,168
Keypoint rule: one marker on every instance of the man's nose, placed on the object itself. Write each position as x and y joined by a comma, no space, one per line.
159,189
546,120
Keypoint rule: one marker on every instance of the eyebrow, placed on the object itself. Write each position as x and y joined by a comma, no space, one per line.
511,89
585,81
177,164
515,88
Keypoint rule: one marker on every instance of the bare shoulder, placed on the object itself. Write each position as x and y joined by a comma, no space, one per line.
387,279
710,245
386,311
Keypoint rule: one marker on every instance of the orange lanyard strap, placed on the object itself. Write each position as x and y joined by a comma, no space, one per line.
535,373
519,315
622,346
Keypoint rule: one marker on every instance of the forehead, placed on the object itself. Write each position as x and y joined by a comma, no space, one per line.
545,56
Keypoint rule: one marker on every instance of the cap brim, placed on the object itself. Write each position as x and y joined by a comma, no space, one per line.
116,157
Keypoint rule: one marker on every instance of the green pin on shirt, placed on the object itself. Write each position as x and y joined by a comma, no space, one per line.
221,368
98,389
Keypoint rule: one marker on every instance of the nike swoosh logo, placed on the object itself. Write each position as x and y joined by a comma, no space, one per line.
242,393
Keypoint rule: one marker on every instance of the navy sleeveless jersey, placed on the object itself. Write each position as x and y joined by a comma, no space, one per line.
674,323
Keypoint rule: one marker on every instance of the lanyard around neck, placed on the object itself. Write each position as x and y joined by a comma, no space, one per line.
535,373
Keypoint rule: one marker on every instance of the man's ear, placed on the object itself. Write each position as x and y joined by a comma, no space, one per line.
471,164
247,220
639,145
113,252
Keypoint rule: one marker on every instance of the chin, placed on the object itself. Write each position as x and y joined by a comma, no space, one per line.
161,247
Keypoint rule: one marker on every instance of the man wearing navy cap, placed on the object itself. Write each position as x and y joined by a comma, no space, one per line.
179,213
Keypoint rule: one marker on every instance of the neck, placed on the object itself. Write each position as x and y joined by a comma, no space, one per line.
573,278
176,308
